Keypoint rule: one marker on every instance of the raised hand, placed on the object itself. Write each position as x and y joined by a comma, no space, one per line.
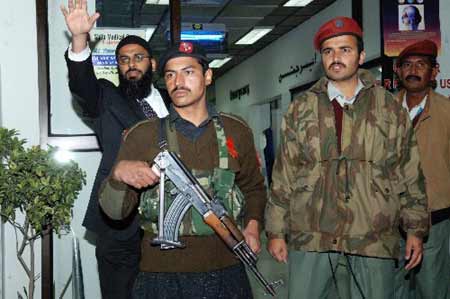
77,17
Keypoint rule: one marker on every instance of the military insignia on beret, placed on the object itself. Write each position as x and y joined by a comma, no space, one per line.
339,23
186,47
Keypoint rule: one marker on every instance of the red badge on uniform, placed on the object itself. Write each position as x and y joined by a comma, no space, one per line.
186,47
231,149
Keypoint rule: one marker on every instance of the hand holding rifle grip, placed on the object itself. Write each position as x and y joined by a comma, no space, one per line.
191,193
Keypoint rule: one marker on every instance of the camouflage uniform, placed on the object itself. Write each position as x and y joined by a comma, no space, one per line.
350,202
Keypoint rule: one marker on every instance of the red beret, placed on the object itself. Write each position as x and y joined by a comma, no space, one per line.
335,27
422,48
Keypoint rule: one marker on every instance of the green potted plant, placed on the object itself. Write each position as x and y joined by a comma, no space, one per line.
40,188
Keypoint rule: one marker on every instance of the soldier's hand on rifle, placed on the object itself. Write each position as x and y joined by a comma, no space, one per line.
251,235
278,249
137,174
79,22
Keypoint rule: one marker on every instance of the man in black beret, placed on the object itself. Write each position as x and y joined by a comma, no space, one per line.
218,150
112,110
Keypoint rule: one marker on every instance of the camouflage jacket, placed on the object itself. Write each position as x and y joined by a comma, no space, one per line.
351,201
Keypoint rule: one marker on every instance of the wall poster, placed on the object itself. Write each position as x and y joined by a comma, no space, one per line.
405,22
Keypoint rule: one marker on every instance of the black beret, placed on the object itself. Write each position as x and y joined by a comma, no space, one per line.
183,49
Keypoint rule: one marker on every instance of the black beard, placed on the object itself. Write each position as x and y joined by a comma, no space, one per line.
136,89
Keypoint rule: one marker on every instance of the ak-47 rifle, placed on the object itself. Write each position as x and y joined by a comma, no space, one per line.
191,193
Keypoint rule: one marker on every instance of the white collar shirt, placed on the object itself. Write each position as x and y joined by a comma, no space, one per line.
335,93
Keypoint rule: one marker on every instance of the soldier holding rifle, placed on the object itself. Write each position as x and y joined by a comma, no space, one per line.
219,151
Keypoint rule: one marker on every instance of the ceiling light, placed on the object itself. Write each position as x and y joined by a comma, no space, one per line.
217,63
194,36
254,35
157,2
292,3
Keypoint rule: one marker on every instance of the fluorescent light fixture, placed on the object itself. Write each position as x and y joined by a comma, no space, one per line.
254,35
157,2
217,63
295,3
198,36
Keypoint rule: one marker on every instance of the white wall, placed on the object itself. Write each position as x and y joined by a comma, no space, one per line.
62,248
371,28
88,161
261,71
19,106
19,109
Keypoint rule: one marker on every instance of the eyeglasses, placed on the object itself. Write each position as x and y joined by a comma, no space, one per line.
418,65
123,59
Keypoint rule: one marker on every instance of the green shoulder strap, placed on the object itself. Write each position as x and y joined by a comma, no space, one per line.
222,144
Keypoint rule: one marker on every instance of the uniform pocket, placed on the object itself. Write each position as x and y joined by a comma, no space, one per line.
381,143
305,201
383,205
308,140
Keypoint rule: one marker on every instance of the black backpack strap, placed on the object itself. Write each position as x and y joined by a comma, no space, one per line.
168,136
162,133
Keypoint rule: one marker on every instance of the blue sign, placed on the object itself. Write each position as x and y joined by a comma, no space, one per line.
104,60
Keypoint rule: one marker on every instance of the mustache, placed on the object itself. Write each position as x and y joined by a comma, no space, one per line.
413,77
133,70
180,88
336,63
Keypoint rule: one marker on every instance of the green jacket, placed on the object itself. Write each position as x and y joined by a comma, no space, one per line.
351,202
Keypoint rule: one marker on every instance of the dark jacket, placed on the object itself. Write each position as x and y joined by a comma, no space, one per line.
202,253
110,113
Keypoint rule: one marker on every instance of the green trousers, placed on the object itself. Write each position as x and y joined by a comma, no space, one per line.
314,275
431,279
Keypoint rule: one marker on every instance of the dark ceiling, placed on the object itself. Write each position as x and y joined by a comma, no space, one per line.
239,17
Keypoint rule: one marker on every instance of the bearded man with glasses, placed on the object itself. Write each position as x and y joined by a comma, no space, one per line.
111,111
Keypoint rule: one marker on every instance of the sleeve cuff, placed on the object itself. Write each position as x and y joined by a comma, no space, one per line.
419,233
116,185
78,57
271,236
111,200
